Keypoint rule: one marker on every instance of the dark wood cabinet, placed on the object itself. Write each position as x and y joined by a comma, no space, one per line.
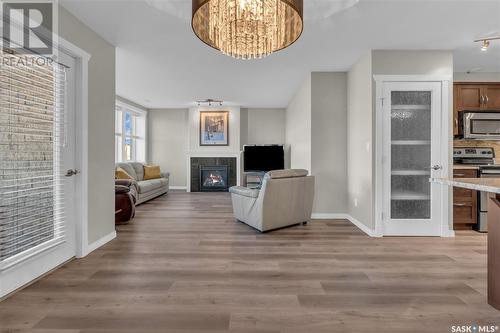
464,202
474,97
492,97
470,97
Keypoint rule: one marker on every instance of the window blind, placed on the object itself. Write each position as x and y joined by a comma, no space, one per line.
32,138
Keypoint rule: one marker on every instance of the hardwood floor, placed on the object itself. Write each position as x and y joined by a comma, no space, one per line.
185,265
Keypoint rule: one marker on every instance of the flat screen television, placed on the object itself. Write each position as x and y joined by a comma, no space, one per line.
263,158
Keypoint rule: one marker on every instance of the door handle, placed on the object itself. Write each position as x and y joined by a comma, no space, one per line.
435,167
487,99
459,205
481,99
71,172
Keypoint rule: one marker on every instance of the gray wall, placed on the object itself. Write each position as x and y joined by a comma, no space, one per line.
101,105
476,77
168,142
298,127
265,126
243,127
414,62
329,141
359,142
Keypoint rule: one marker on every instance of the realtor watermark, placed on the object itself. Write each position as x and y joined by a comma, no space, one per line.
474,328
28,27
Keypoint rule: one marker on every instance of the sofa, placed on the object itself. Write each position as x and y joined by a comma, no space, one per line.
284,199
145,189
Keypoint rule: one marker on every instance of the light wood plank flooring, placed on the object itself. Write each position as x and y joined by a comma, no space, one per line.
185,265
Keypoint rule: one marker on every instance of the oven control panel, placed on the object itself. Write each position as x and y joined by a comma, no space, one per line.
466,152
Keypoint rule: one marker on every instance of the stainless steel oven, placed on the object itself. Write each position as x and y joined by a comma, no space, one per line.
481,125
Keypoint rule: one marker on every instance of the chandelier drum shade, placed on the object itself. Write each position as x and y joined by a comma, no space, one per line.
248,29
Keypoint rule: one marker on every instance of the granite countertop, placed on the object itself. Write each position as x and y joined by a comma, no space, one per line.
479,184
465,166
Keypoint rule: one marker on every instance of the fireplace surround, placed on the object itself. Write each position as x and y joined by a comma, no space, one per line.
219,166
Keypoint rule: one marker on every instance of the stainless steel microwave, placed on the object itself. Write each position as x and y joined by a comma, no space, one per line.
481,125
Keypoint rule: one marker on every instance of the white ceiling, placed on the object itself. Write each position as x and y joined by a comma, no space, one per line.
160,63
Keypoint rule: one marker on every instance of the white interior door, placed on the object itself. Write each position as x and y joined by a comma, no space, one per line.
37,147
411,154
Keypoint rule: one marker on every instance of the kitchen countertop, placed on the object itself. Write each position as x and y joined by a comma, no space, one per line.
465,166
491,185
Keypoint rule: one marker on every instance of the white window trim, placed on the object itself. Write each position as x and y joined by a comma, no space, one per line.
141,112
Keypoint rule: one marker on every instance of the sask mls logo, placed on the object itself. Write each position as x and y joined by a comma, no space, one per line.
474,328
28,26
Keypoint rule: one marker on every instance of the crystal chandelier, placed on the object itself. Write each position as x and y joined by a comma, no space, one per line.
247,29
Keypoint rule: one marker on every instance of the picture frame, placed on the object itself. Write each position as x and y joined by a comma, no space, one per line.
214,128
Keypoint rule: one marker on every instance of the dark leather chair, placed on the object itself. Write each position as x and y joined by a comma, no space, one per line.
125,199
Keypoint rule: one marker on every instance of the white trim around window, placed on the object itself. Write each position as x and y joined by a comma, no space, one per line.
132,147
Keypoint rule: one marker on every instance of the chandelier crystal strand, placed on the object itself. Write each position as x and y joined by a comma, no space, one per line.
247,29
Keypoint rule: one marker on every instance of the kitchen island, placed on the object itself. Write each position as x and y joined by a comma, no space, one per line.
491,185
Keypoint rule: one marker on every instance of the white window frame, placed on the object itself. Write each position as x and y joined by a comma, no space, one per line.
125,107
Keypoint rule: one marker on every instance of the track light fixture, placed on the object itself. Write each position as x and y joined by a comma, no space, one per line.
485,42
209,102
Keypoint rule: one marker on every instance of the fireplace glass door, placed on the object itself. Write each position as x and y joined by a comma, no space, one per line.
213,178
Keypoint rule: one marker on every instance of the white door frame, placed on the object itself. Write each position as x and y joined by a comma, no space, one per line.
79,161
446,143
81,145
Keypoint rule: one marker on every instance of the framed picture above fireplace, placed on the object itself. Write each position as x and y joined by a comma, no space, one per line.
214,128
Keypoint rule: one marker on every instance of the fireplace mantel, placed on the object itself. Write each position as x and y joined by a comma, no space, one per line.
204,154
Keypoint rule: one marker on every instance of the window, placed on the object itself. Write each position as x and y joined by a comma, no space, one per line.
130,133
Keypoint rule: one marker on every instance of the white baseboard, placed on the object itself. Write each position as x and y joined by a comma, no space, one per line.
335,216
363,227
448,233
100,242
177,188
329,216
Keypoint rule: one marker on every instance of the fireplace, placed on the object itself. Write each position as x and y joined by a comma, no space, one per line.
213,178
225,167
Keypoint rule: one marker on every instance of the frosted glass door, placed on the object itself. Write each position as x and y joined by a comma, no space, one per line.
411,154
411,114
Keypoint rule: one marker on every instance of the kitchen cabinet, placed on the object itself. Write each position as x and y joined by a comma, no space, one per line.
464,202
470,97
474,97
492,96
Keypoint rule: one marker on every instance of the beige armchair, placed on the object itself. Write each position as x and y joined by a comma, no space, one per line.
285,199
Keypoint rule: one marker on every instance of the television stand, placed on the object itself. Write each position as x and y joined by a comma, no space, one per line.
253,179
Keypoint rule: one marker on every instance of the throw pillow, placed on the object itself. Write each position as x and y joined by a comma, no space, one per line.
122,174
151,172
